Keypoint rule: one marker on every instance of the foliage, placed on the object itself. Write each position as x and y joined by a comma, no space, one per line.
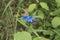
22,36
44,23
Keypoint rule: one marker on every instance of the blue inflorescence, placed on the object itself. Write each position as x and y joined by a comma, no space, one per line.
28,18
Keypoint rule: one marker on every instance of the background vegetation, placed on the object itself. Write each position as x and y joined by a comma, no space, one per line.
45,12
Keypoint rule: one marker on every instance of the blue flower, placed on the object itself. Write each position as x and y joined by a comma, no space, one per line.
28,18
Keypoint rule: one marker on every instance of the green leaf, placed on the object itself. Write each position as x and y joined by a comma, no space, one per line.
22,36
47,24
44,5
16,15
41,38
57,31
56,12
57,37
48,32
37,1
58,2
41,14
52,14
56,22
22,22
31,7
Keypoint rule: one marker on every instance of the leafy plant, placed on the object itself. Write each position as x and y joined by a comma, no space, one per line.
29,19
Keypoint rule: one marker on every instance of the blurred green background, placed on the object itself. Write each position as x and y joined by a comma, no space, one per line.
45,12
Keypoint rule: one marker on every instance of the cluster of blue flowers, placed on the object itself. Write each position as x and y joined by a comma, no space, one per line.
28,18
